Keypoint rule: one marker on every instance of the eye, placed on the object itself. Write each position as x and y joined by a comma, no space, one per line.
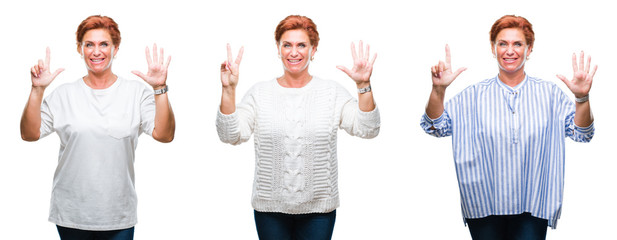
88,45
302,45
518,44
286,45
104,44
502,44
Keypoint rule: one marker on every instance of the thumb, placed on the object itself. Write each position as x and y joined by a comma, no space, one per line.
58,71
139,74
344,69
459,71
564,80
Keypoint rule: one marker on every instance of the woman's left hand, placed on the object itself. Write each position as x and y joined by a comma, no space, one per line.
582,79
157,69
362,67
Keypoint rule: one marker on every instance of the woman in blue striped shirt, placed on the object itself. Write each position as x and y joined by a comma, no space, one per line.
508,136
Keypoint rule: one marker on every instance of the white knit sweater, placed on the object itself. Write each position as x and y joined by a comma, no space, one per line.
295,142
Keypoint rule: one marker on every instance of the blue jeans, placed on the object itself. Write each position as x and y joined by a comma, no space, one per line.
78,234
281,226
508,227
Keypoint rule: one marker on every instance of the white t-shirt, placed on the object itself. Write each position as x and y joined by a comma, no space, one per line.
94,183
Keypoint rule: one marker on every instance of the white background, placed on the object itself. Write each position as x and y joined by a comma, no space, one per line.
400,185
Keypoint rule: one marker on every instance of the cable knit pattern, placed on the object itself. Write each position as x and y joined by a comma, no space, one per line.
295,131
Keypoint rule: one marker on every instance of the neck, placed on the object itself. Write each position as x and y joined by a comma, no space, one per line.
512,78
298,80
100,80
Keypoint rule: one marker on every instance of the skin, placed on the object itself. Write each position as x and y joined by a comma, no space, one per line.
509,50
296,51
98,51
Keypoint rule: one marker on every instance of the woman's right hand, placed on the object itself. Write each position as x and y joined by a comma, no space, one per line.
442,72
40,74
230,70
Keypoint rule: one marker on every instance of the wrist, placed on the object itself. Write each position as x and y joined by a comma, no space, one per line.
363,84
161,90
581,99
159,87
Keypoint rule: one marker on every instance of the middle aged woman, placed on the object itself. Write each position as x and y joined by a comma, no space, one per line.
98,118
295,119
508,136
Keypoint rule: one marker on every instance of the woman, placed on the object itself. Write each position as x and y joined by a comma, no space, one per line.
98,119
508,136
295,119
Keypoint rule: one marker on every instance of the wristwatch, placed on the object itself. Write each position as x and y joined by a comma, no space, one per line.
364,90
161,91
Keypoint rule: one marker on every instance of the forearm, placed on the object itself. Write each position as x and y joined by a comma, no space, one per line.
434,107
164,120
228,101
30,125
366,103
583,116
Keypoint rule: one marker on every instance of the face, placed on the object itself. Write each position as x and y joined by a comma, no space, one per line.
295,50
511,49
98,50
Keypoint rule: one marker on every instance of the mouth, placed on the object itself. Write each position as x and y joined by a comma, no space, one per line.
509,60
294,61
97,60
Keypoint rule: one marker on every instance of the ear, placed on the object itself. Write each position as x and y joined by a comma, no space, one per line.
79,49
314,51
116,51
529,50
493,49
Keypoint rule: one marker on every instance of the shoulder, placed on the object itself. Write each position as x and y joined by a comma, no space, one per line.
133,84
66,89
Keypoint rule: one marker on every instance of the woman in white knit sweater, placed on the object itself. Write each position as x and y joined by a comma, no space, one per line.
295,119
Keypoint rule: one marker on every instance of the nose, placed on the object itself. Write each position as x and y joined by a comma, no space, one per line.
294,51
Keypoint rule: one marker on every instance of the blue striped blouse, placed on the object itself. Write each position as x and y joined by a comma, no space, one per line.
509,146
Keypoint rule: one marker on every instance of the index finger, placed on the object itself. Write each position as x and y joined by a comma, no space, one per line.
47,58
448,56
229,58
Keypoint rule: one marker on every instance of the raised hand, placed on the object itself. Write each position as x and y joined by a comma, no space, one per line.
362,67
157,68
40,75
442,72
582,79
230,70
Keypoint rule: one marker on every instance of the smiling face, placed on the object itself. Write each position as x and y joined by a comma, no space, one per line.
97,50
511,50
295,50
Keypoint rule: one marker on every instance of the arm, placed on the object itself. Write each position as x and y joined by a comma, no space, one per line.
164,120
233,125
361,75
580,85
442,77
31,118
230,73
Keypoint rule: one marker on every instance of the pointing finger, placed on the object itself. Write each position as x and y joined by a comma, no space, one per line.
448,56
47,56
148,58
229,58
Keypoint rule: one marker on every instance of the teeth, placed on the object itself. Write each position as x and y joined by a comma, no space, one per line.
294,61
97,60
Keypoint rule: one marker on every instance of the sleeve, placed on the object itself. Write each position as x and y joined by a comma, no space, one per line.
238,127
576,133
47,118
148,111
356,122
440,127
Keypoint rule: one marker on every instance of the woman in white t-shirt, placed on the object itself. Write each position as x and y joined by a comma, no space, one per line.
98,118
